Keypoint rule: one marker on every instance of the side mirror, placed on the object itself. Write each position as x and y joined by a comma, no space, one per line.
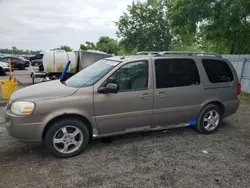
109,88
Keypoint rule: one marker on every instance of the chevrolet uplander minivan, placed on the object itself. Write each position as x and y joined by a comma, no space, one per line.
121,95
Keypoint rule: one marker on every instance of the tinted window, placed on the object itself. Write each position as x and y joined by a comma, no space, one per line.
176,73
217,71
131,76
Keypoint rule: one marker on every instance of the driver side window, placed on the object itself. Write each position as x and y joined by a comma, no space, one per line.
131,76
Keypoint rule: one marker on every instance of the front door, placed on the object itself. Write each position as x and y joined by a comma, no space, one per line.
178,93
131,107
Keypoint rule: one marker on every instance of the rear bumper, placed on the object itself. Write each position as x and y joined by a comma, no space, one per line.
231,107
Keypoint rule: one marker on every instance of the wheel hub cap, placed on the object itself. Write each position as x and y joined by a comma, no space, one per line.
211,120
68,139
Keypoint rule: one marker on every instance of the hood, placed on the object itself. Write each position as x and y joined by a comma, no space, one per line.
43,91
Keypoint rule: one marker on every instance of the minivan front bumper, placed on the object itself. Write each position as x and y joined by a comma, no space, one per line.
18,127
231,107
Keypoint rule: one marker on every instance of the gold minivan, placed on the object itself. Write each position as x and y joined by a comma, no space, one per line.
120,95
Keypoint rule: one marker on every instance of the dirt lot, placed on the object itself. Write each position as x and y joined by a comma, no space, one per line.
176,158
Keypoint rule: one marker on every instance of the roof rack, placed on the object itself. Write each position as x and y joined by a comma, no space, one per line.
147,52
165,53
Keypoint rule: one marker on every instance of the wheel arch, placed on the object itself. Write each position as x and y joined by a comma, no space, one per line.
217,103
76,116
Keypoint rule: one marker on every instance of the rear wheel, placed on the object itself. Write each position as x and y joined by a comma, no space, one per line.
209,119
67,138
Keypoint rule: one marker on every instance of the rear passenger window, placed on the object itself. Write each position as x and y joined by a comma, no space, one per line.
217,71
176,73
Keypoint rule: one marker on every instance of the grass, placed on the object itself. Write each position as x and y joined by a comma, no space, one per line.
245,96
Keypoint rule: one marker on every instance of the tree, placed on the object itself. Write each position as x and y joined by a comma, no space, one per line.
107,44
66,48
18,51
88,46
145,26
218,22
83,47
14,48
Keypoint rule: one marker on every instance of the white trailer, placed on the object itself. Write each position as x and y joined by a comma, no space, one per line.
54,62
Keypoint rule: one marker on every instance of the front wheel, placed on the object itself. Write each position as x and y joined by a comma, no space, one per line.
67,138
209,119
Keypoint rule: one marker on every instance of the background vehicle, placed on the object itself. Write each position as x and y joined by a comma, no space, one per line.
36,60
54,62
16,62
4,67
118,95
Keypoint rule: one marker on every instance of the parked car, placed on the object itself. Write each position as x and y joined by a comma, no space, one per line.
4,67
122,95
37,61
16,62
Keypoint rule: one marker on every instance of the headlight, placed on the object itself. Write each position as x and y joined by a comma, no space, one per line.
22,108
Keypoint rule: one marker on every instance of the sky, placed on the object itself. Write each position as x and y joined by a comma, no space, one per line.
47,24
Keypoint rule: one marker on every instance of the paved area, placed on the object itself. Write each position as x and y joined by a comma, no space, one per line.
176,158
22,75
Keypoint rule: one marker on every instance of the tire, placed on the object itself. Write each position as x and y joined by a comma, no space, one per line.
204,120
21,67
55,133
2,72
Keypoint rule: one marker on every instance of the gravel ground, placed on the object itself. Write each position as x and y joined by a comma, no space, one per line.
175,158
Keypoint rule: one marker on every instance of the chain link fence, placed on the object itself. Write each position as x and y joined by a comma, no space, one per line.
241,64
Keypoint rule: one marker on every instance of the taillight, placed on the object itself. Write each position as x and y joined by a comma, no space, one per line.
238,89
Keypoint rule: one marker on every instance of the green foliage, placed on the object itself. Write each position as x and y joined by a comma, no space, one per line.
66,48
124,50
144,27
222,24
107,44
14,50
88,46
245,96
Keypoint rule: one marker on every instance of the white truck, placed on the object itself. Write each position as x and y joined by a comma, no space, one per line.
54,62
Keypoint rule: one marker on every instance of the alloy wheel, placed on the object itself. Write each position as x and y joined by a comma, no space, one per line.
211,120
68,139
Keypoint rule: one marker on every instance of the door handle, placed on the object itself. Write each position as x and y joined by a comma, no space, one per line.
144,95
161,94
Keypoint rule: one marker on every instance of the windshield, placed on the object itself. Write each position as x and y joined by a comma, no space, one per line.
91,74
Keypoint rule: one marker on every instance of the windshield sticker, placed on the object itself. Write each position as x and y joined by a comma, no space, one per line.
113,63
